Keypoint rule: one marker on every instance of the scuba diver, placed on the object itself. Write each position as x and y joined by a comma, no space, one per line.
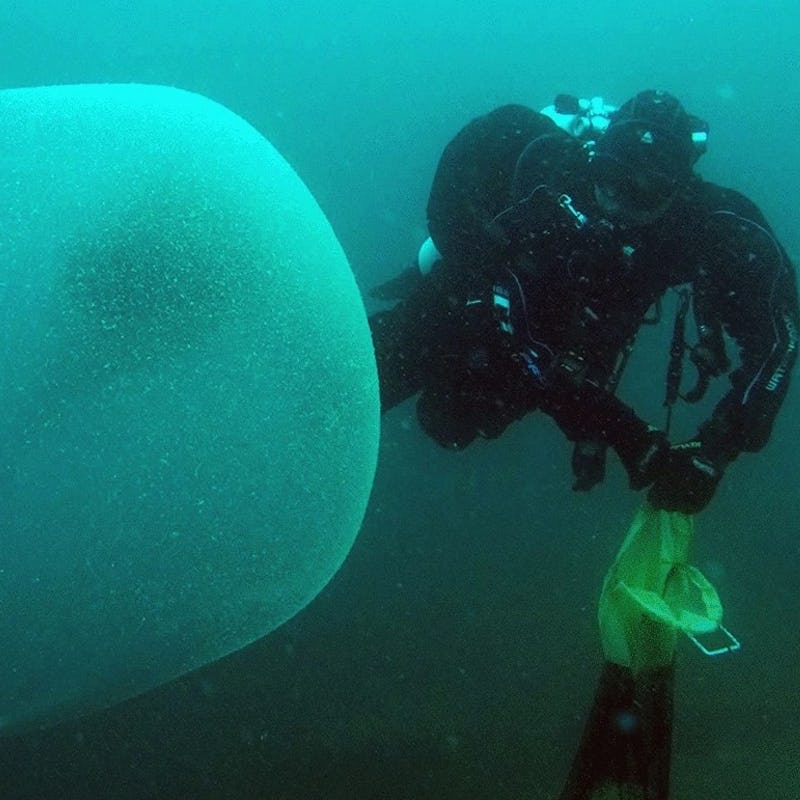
552,236
585,119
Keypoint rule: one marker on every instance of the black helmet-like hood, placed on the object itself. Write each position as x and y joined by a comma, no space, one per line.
653,133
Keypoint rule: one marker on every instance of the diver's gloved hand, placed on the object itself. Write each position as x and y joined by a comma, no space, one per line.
643,453
588,464
688,479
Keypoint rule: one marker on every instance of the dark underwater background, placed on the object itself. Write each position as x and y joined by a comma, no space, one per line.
455,653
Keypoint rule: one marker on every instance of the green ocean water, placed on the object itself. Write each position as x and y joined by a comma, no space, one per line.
455,653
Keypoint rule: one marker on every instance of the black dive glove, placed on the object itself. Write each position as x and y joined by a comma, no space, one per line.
588,464
687,479
643,452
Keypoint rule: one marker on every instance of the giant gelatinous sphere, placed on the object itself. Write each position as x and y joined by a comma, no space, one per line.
189,418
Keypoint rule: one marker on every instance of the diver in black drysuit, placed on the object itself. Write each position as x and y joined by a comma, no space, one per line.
552,252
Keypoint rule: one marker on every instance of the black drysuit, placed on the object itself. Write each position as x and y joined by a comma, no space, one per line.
538,295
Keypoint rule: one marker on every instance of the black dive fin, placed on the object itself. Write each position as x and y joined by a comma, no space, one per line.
625,750
400,287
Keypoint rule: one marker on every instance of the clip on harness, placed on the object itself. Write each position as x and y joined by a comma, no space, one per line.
675,363
706,367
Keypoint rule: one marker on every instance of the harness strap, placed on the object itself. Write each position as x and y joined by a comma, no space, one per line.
676,350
